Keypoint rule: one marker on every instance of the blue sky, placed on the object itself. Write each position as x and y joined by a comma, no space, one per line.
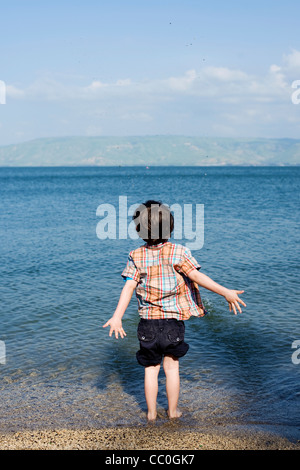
149,67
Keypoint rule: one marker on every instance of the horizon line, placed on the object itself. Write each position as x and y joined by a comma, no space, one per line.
279,165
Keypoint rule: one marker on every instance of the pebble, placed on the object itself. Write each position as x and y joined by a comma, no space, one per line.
142,438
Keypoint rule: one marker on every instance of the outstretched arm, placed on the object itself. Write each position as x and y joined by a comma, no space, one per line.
115,322
230,295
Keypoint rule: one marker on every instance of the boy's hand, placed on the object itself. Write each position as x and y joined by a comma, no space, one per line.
115,326
115,321
233,300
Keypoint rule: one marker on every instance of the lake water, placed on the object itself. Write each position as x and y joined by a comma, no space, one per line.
59,283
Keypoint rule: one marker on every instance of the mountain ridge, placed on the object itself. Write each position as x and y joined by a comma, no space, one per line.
154,150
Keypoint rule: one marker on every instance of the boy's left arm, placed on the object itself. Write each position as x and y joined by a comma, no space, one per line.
230,295
115,322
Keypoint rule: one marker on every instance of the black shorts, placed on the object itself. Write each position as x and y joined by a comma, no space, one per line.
160,338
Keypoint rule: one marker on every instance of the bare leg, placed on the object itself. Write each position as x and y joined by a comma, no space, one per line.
171,368
151,389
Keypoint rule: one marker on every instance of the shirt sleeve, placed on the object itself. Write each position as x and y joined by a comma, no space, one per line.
188,263
131,271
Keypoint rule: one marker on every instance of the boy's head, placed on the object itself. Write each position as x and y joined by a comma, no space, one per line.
154,222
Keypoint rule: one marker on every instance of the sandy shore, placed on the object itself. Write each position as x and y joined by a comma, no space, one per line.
142,438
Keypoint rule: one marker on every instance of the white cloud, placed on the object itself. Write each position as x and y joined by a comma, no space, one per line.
275,68
96,85
224,74
181,83
222,83
14,92
212,99
292,60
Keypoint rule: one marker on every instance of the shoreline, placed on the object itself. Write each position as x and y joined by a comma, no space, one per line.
150,437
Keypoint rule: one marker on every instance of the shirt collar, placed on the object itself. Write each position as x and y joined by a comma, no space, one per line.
155,247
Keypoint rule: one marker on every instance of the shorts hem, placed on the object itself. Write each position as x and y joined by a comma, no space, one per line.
143,361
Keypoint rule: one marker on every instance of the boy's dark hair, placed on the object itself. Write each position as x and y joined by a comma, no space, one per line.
154,222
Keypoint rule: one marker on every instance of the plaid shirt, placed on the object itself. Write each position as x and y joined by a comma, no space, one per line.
163,289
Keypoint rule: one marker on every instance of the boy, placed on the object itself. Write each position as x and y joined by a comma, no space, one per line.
165,277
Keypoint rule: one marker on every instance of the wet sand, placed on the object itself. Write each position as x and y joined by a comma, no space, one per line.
149,437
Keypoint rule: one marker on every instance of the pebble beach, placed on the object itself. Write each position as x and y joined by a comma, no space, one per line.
143,438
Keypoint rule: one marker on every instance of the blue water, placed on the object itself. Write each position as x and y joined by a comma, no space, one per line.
59,283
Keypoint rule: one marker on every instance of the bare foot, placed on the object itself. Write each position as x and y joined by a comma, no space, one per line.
151,416
176,414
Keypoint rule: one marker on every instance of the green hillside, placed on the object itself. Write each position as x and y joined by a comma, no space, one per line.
151,150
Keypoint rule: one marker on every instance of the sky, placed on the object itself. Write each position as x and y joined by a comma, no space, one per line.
149,67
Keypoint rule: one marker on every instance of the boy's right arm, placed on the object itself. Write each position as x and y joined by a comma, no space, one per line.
115,322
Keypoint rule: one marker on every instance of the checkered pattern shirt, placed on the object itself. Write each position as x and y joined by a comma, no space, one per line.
163,288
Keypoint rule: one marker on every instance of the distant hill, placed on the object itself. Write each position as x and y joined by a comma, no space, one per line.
151,150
